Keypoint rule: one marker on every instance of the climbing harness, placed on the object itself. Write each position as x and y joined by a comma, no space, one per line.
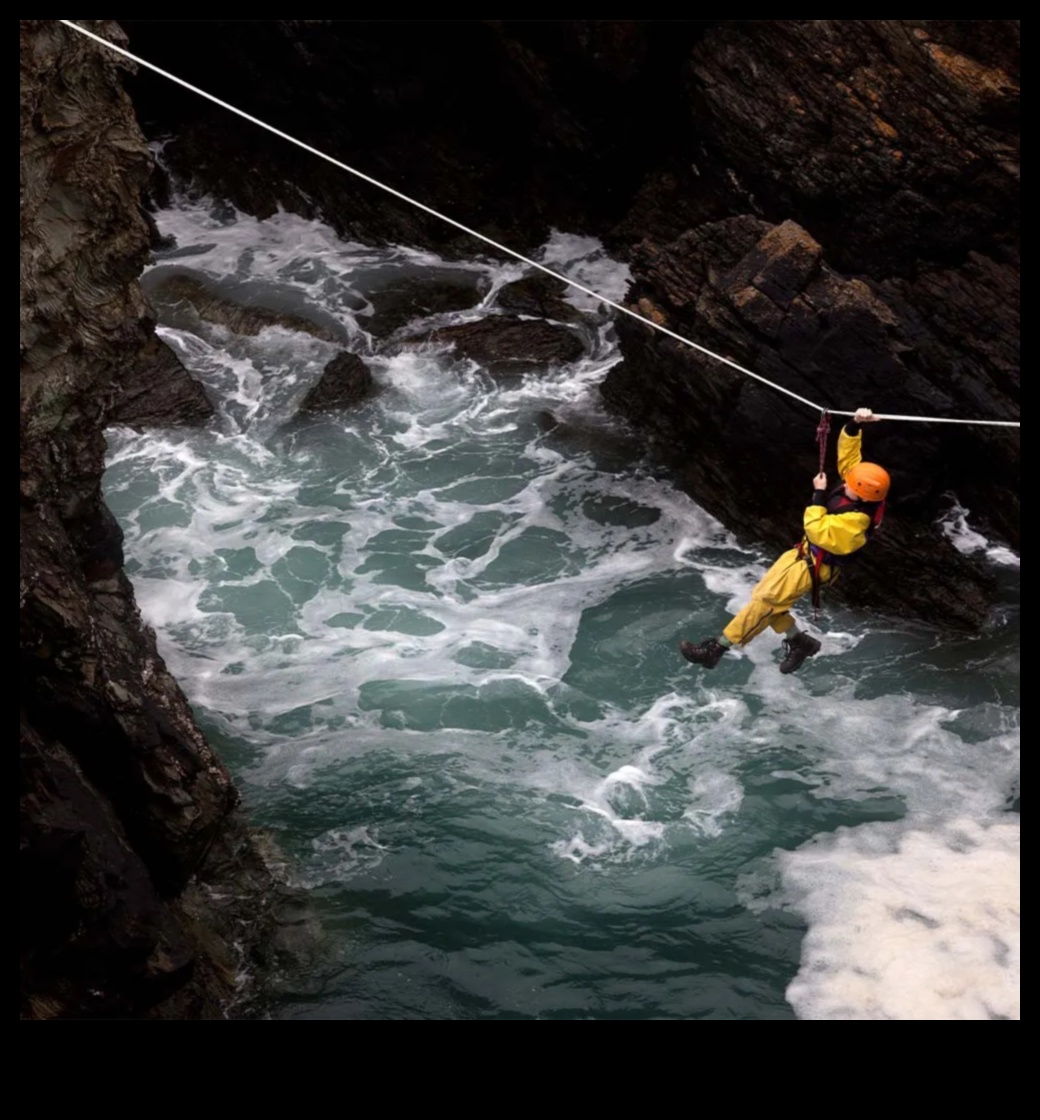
815,556
502,248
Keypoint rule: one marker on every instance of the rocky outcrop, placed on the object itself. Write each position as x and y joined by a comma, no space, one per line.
127,817
893,141
157,390
540,295
243,315
508,345
404,299
891,147
345,381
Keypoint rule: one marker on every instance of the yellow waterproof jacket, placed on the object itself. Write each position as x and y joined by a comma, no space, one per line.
839,533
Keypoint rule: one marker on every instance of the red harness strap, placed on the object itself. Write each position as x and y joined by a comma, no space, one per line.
822,431
814,556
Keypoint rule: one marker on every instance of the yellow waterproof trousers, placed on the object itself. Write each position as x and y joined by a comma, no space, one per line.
774,595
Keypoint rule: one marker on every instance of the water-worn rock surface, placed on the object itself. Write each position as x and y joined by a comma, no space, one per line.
345,381
244,314
508,344
129,822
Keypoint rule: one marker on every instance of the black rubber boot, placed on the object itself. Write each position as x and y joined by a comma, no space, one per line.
797,649
707,653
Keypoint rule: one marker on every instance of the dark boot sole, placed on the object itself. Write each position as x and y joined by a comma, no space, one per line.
802,660
690,651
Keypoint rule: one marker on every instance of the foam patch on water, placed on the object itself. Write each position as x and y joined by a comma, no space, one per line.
965,539
909,924
582,259
714,797
341,854
673,789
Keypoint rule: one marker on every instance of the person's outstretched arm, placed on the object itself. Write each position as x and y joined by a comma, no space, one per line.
850,440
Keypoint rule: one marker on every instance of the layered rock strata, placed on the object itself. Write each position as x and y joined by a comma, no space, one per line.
129,822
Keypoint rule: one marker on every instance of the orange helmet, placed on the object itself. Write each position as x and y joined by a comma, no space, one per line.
868,481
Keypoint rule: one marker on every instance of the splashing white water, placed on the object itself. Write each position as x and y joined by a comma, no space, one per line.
436,575
905,924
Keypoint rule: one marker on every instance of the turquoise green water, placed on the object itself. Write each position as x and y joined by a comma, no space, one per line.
436,644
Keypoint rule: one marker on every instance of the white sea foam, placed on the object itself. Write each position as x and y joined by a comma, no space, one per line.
340,854
955,524
582,259
907,924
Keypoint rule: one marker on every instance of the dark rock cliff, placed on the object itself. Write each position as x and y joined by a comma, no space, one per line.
128,820
870,256
509,127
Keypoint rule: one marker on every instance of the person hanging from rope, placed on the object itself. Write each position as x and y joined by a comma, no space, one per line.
836,526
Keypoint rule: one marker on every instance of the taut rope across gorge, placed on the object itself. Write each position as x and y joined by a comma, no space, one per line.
504,248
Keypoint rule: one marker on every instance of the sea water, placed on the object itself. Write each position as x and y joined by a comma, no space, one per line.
434,638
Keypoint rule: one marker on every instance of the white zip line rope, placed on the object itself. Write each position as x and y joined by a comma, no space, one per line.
504,248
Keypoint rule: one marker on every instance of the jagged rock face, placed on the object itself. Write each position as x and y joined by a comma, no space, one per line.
83,243
896,289
501,125
832,204
508,345
121,796
749,452
157,390
892,141
345,382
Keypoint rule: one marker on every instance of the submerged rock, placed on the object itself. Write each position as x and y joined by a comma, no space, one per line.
239,317
611,449
507,344
411,297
